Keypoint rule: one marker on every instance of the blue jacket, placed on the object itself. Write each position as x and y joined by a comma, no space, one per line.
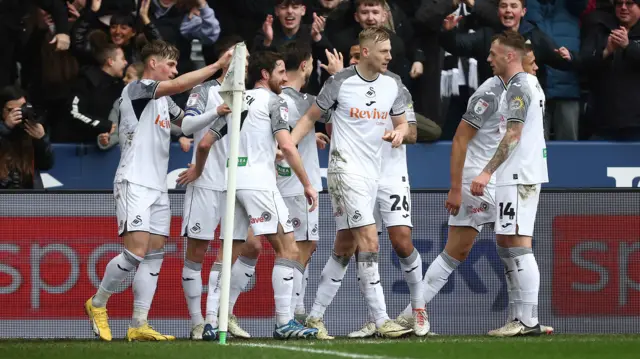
560,20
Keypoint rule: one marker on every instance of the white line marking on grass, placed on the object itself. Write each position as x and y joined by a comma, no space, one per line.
317,351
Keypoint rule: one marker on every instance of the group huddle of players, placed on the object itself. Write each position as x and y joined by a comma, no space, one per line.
498,162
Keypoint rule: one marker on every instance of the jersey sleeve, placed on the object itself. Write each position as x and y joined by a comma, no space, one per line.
324,118
480,109
518,100
410,112
175,112
401,101
219,127
279,114
197,102
142,89
328,95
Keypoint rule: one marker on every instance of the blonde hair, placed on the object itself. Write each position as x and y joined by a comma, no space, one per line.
373,34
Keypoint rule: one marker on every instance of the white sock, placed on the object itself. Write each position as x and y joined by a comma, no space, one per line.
511,277
192,286
298,278
361,284
213,295
330,281
412,270
145,283
241,273
282,281
370,286
438,275
116,271
529,280
300,309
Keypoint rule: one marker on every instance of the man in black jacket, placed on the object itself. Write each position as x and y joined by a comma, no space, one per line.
611,58
94,93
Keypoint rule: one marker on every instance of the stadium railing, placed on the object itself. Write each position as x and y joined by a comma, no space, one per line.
54,246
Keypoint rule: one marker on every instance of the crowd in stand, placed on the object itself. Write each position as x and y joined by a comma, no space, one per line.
69,61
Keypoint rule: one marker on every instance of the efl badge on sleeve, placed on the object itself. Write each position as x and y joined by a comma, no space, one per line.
481,107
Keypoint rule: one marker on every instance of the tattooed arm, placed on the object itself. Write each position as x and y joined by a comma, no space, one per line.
506,146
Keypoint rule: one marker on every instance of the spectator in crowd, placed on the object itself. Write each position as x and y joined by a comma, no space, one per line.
24,146
107,140
406,57
122,31
12,30
478,43
200,23
611,56
94,92
168,17
560,20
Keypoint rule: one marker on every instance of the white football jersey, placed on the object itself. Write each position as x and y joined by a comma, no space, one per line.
394,160
482,114
524,102
145,135
204,98
288,183
361,111
266,114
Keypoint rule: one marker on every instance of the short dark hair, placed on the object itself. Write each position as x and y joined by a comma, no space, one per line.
288,2
160,49
11,93
225,43
106,52
370,3
511,39
263,60
122,18
523,2
294,52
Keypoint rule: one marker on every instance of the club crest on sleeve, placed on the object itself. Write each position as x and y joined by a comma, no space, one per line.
193,100
284,113
516,103
481,107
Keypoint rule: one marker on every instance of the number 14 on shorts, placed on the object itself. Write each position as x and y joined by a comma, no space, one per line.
506,209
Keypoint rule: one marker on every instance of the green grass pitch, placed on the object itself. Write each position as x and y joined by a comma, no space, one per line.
441,347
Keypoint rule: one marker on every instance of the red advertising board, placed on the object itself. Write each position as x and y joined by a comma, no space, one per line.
596,269
49,266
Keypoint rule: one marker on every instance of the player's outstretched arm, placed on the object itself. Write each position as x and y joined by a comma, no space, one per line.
193,78
507,145
193,123
291,155
306,123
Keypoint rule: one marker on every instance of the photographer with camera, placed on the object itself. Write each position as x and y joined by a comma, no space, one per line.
24,146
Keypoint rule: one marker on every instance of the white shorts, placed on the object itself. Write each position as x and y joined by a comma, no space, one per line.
393,206
305,223
353,199
202,212
141,209
262,210
475,210
516,209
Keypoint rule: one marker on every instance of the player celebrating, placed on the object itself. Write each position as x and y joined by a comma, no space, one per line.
140,190
203,208
258,201
520,164
363,98
298,62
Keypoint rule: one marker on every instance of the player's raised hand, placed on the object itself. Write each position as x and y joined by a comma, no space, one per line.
453,202
335,62
188,176
223,110
322,140
394,137
312,197
225,59
480,183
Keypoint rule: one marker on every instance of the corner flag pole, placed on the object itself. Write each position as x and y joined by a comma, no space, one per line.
233,84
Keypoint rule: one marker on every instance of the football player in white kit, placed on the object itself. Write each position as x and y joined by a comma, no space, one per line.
203,208
393,208
258,201
364,98
140,185
299,65
520,166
